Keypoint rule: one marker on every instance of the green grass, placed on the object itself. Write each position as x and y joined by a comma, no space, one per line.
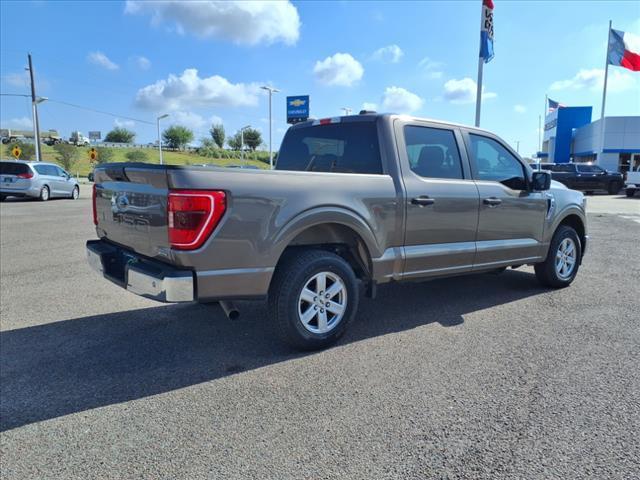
83,166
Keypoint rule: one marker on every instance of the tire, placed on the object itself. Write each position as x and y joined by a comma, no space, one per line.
45,194
630,192
302,270
3,198
76,193
614,187
557,272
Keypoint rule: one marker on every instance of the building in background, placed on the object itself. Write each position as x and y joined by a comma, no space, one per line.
571,136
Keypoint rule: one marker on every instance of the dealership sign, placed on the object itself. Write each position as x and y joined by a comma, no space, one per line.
297,108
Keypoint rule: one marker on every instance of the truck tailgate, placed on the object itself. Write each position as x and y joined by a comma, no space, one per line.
131,207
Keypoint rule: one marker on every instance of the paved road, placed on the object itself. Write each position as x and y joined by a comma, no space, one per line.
477,377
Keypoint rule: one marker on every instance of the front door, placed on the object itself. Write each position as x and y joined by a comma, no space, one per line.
441,200
511,218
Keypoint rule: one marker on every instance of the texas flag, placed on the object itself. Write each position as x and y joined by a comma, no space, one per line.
486,31
624,50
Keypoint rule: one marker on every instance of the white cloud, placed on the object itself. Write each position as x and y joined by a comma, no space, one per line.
464,91
431,68
215,120
390,53
188,119
190,90
20,123
593,79
17,79
340,69
123,123
369,106
100,59
246,23
143,63
519,108
400,100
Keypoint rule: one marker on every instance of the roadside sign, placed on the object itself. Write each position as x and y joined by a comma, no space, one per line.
95,135
16,152
93,154
297,108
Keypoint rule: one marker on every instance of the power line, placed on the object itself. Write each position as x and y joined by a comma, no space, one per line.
99,111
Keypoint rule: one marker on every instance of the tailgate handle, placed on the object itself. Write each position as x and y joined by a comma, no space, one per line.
423,201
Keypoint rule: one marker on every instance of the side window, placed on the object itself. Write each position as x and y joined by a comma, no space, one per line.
41,169
496,163
432,152
60,172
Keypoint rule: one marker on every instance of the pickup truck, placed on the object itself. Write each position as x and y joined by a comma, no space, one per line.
355,202
585,177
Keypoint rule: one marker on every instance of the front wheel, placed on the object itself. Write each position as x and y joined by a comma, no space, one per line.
313,298
563,260
630,192
614,187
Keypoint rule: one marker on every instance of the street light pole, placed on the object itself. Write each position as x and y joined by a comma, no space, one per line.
159,139
271,91
34,108
347,111
242,141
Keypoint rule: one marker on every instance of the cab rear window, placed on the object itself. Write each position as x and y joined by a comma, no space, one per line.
13,168
339,147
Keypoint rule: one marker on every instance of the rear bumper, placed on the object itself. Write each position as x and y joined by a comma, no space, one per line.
20,192
140,275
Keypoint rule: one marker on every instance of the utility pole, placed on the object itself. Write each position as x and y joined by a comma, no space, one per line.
518,146
271,91
160,139
34,112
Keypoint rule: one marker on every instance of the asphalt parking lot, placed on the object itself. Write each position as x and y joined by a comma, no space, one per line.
486,376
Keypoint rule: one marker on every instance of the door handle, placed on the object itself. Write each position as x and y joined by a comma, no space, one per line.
423,201
492,201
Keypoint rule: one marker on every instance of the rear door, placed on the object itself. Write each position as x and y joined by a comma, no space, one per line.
511,218
441,199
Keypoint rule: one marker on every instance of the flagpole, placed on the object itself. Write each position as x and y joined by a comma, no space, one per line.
480,69
604,91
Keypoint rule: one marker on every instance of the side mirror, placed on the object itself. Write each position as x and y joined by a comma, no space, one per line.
540,181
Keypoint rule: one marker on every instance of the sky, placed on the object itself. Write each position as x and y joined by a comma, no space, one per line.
204,62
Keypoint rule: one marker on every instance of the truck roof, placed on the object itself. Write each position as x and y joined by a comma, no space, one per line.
372,116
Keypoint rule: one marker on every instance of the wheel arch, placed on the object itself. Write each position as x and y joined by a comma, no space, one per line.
576,222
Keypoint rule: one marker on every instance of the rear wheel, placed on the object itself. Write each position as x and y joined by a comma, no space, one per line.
76,193
563,260
44,194
313,298
3,198
614,187
630,192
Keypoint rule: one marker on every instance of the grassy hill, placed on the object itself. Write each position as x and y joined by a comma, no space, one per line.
83,166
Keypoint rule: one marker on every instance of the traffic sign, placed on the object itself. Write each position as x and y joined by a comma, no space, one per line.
297,108
16,152
95,135
93,154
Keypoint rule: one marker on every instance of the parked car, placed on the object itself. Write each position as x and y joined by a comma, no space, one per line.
586,177
37,180
632,182
355,202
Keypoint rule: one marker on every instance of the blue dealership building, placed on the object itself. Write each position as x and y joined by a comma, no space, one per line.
571,136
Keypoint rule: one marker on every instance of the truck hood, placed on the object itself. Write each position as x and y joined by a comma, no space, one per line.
556,185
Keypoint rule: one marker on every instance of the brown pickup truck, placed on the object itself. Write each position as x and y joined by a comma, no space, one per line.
354,202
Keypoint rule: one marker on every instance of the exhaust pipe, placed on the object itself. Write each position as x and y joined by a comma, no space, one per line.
230,310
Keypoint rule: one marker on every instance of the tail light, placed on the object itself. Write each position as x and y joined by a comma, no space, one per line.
193,214
25,175
95,211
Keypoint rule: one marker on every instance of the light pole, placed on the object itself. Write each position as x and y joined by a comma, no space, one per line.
159,139
242,143
347,110
271,91
518,146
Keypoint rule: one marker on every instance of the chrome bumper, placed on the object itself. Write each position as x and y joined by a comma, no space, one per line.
138,275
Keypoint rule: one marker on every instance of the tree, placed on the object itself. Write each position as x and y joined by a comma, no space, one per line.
218,135
177,136
66,155
28,150
136,156
120,135
105,155
235,141
252,138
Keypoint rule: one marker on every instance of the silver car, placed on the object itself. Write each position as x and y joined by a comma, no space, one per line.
36,180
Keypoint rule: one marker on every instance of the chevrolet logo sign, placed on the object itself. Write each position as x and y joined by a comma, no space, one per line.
297,102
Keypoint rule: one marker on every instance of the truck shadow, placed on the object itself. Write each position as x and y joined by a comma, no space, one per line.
66,367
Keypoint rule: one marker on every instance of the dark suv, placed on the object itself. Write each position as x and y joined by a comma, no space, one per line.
585,177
